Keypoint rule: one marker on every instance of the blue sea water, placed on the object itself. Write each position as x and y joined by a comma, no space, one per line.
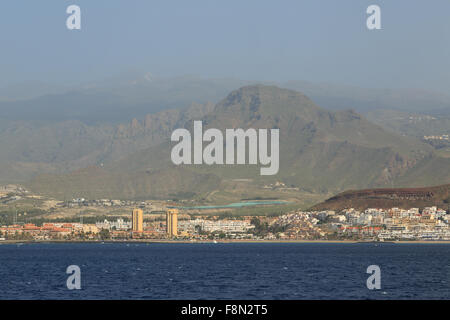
225,271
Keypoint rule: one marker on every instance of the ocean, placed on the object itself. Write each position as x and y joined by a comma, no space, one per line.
225,270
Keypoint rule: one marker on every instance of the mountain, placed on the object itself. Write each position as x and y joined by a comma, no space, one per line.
404,198
365,100
321,152
29,148
410,123
48,128
135,94
112,101
410,112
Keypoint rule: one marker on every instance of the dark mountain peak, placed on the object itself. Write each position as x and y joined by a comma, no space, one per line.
264,93
265,102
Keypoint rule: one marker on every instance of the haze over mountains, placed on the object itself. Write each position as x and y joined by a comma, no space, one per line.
122,98
112,139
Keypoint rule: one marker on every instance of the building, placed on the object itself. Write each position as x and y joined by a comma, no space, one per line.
118,225
225,226
137,220
172,222
87,228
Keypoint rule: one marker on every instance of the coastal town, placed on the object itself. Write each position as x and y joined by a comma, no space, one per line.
171,223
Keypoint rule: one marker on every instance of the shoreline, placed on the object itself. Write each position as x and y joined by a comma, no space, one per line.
167,241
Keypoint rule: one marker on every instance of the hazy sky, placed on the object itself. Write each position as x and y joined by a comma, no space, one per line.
315,40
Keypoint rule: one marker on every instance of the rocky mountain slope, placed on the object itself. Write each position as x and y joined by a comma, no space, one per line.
387,198
320,152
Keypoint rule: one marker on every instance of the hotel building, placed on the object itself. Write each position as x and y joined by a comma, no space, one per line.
137,220
172,222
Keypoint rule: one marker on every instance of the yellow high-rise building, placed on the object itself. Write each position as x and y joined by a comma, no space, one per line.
172,222
137,220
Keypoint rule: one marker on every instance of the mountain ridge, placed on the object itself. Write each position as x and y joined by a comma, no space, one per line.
386,198
321,151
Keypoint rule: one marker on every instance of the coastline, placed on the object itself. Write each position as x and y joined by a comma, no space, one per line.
168,241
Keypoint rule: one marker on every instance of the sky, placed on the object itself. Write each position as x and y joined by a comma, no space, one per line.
266,40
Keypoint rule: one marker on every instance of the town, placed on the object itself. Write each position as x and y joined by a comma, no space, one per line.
372,224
